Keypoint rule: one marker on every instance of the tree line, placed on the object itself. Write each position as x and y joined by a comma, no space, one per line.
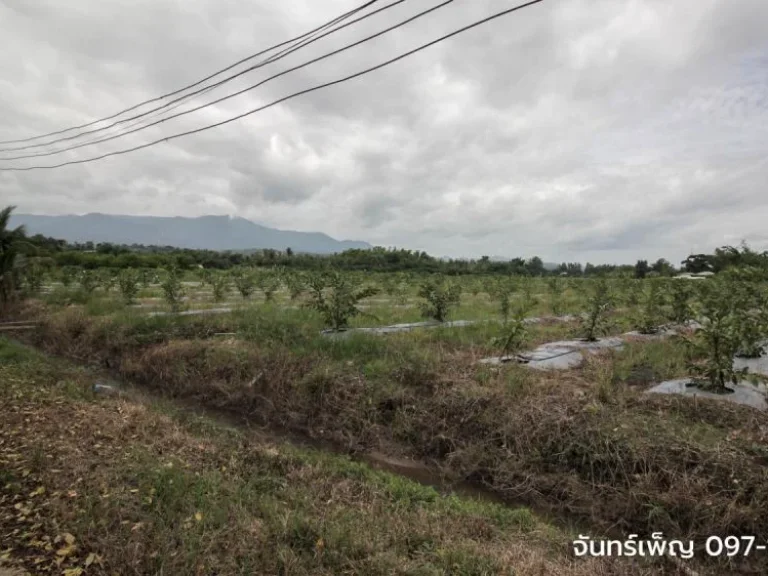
89,255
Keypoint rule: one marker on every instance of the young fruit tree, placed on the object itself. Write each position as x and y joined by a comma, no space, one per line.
296,284
128,282
269,283
245,282
514,333
219,286
107,278
711,349
66,275
751,310
88,281
33,276
440,296
680,293
633,291
335,297
502,291
205,277
529,297
147,277
595,322
648,316
556,288
172,289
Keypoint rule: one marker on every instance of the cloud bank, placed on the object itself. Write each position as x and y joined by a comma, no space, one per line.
579,130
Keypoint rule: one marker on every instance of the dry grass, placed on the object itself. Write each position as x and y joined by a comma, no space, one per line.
585,444
111,486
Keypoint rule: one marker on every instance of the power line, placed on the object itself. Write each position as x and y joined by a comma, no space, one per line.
178,101
234,94
197,83
290,96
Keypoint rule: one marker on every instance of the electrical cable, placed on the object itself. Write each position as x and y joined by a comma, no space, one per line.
289,97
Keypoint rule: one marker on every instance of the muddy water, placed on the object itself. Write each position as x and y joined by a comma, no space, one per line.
413,470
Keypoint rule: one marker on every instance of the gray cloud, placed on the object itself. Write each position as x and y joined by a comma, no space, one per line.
587,129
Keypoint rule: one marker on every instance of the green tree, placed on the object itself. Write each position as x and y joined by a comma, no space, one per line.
335,296
88,281
172,289
648,316
696,263
10,263
680,293
501,291
642,269
128,282
269,282
296,284
596,321
556,288
440,296
244,282
219,286
66,275
33,275
513,335
712,348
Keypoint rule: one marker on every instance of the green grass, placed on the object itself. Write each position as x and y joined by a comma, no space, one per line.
586,443
207,498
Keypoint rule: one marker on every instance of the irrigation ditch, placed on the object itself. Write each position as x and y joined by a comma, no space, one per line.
594,499
110,384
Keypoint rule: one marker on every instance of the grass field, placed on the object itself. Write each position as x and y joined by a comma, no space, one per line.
137,486
583,447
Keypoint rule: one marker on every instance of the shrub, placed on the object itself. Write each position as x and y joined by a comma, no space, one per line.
87,281
244,282
595,321
514,334
501,291
712,348
529,300
66,275
648,316
147,277
128,282
269,283
205,277
296,284
634,292
219,285
751,311
33,275
440,297
680,292
107,279
335,296
556,288
172,289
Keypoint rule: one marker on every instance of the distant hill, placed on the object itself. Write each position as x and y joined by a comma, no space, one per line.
205,232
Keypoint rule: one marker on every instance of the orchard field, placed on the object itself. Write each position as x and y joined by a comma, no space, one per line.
247,407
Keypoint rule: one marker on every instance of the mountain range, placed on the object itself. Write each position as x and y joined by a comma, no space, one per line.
202,233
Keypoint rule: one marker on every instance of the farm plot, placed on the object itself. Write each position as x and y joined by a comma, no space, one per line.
586,444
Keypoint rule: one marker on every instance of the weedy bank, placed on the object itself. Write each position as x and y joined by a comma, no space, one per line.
586,443
131,485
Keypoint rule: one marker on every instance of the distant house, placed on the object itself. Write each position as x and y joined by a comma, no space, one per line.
697,276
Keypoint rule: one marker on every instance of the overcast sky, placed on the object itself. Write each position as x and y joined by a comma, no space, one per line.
597,130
